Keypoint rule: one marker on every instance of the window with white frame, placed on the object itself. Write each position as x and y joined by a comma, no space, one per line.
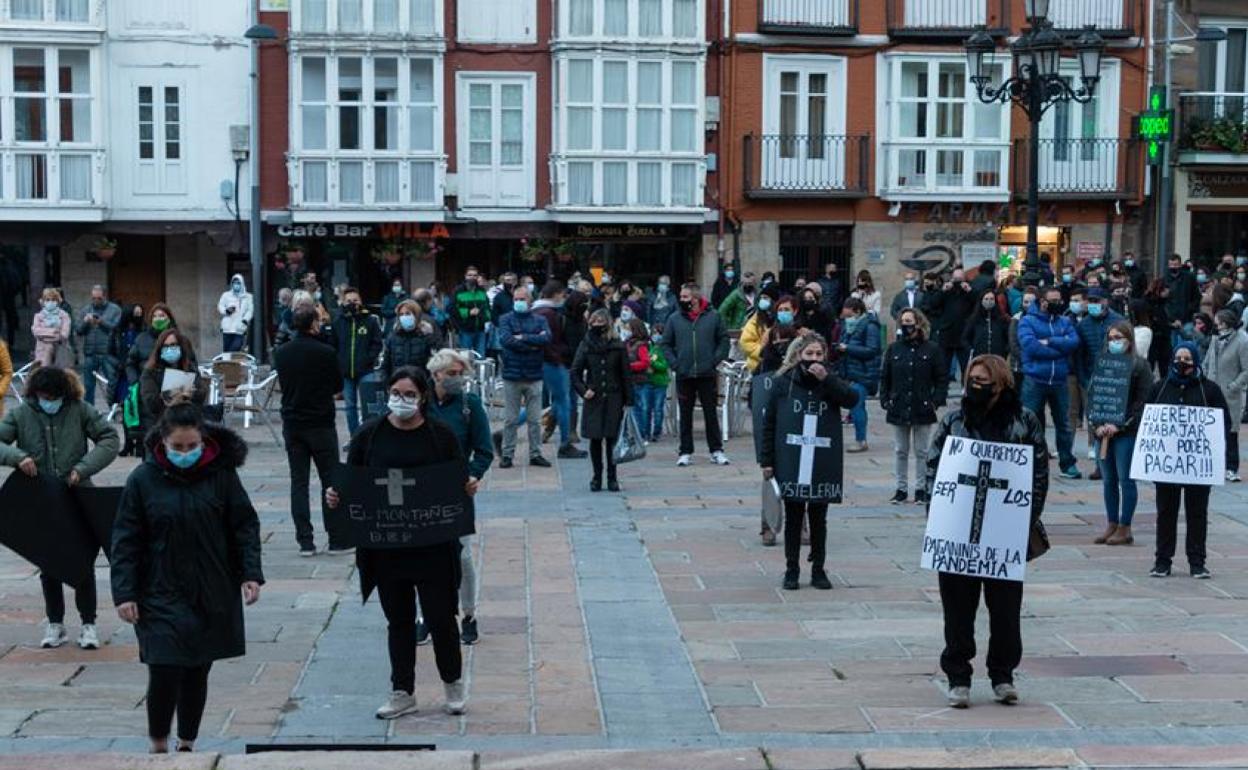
1079,143
631,132
803,144
364,17
366,130
499,21
161,156
619,19
64,11
52,92
940,137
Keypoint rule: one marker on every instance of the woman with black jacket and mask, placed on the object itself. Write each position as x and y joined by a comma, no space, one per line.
988,332
991,411
1185,384
913,385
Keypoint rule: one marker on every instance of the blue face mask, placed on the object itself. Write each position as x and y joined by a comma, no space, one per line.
51,406
785,317
184,460
729,274
171,354
764,304
396,290
1117,347
1095,310
910,283
1067,278
237,288
656,337
1076,307
521,306
408,322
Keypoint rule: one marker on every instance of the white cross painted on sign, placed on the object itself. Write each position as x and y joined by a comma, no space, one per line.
394,483
809,441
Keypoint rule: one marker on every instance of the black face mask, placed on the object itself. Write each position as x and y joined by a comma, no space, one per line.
908,330
686,305
808,303
977,397
747,287
598,331
1055,308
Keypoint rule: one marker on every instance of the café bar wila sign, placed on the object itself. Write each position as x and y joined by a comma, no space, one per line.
386,231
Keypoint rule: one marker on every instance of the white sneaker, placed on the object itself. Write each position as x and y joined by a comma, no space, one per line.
398,704
1005,693
719,458
89,638
684,460
454,697
1233,477
959,697
53,636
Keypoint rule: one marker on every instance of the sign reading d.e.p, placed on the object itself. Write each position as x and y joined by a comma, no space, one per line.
1180,445
980,514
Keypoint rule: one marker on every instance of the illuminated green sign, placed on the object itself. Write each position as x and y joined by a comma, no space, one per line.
1156,124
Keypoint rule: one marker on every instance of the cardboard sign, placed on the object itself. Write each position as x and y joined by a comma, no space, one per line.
1109,389
1180,445
980,514
406,507
175,379
41,521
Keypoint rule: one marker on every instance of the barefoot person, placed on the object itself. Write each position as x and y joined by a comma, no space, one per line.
186,556
990,412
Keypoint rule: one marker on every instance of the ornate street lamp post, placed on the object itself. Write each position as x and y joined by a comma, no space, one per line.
1037,84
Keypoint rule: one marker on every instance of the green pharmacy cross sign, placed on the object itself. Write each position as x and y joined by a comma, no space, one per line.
1156,124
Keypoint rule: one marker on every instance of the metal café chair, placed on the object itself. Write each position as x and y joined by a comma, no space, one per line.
236,370
18,385
257,397
102,382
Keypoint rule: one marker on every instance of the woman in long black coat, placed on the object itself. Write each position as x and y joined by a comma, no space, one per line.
601,377
185,557
913,385
988,332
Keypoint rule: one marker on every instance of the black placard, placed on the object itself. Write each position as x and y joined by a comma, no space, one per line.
808,447
406,507
1109,391
42,522
98,506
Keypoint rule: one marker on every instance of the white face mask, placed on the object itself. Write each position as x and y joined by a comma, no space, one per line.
402,408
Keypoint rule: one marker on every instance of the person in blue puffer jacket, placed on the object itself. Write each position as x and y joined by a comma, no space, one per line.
862,356
1048,339
524,336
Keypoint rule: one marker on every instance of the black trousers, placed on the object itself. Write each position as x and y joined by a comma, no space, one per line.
1197,507
598,447
439,601
959,597
794,514
305,446
1232,450
183,689
704,389
54,600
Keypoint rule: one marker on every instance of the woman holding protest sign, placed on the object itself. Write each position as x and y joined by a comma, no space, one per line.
1185,384
404,438
185,558
991,411
172,352
801,417
1120,385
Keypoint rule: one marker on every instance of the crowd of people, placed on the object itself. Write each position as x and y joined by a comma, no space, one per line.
583,359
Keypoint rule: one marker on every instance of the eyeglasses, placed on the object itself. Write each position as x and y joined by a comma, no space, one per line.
407,397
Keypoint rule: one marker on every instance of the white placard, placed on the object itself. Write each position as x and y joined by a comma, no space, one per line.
176,379
980,515
1180,445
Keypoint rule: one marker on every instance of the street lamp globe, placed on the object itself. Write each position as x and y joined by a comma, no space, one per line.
980,48
1089,48
1036,11
1046,52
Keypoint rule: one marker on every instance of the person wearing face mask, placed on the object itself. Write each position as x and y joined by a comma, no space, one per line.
410,342
1183,300
990,411
470,312
309,376
910,297
464,413
95,328
359,339
51,328
755,329
661,302
1137,277
1186,384
556,362
236,308
390,303
650,397
1115,440
172,352
1092,329
804,385
724,284
811,315
1200,331
989,330
603,378
55,434
861,353
524,336
1016,350
831,290
1047,340
500,304
1227,365
739,303
185,559
914,383
777,338
403,437
695,343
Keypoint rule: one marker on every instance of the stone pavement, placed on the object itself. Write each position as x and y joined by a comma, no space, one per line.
652,623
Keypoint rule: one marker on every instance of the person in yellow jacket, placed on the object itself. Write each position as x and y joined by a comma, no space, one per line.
754,332
6,373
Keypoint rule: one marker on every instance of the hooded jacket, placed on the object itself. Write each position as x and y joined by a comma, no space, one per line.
863,352
695,343
235,322
1197,390
1046,342
358,340
58,442
184,541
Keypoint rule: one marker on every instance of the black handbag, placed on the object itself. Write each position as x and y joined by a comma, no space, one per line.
1037,541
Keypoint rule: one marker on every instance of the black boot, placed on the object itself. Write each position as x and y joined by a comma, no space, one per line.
613,484
792,578
819,579
595,484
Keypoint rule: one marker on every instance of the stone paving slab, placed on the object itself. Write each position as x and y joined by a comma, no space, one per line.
993,759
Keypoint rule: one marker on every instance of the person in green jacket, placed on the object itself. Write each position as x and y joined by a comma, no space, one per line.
470,311
464,413
739,304
47,435
651,396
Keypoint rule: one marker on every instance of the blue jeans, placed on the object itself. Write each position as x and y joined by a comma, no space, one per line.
555,379
859,413
473,341
650,400
233,343
351,395
90,365
1116,481
1035,395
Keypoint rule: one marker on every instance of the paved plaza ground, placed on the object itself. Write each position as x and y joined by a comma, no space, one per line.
652,621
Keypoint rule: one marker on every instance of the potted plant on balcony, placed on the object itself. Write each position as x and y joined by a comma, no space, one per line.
105,248
536,250
389,253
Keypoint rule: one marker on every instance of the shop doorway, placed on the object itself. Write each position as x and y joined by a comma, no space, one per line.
137,272
1215,233
805,251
